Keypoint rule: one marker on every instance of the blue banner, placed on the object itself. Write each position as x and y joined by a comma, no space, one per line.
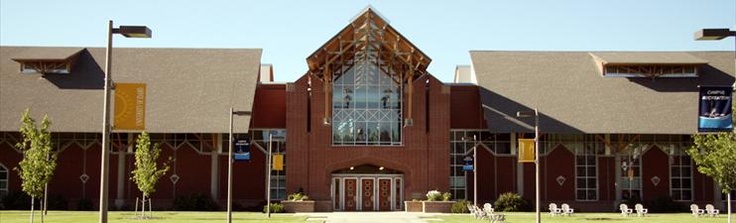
715,113
242,150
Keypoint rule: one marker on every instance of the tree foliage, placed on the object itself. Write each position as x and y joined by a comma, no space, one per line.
715,155
147,171
39,162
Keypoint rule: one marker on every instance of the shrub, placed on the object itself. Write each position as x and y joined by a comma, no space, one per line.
299,196
665,204
461,206
57,202
85,204
446,196
511,202
275,208
195,202
434,195
17,200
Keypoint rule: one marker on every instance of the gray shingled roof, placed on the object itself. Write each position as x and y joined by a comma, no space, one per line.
188,90
573,97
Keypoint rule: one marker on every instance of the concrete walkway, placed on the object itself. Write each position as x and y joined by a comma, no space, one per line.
370,217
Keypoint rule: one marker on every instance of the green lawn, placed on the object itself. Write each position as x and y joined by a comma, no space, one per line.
212,217
588,217
163,216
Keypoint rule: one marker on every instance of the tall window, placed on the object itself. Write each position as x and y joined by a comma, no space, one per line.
277,139
366,102
3,181
461,148
586,174
681,179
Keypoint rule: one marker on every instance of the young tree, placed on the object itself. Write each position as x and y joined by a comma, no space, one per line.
39,162
715,155
147,171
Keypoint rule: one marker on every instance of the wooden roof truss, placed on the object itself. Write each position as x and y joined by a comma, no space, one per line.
367,40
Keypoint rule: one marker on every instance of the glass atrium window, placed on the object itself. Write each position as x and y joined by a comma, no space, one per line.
366,103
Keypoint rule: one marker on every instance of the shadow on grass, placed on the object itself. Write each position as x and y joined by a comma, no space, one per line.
604,219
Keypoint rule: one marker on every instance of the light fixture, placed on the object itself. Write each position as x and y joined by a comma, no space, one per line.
713,34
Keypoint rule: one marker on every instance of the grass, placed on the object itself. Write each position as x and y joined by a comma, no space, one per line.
161,216
211,217
588,217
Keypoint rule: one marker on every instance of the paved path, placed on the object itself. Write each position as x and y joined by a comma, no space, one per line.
370,217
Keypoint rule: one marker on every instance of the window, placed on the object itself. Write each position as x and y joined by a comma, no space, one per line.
681,186
3,181
277,138
461,148
586,174
650,71
366,102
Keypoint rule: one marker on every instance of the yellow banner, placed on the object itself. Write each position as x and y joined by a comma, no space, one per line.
130,106
526,150
278,162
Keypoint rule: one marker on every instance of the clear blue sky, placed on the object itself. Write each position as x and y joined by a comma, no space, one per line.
289,31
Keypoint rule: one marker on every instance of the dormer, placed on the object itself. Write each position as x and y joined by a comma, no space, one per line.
648,64
52,61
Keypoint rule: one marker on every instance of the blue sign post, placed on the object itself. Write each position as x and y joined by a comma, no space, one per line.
468,164
242,150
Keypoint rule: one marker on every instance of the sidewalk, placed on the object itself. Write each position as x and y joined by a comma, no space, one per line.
370,217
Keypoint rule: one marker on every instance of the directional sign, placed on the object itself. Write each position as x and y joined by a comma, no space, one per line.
468,163
242,150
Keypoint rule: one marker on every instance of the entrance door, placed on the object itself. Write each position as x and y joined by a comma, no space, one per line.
367,198
367,192
384,194
351,190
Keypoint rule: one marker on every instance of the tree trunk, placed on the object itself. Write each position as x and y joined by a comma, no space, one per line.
728,199
32,200
143,208
45,199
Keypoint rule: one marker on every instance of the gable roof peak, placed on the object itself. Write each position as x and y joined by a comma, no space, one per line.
369,9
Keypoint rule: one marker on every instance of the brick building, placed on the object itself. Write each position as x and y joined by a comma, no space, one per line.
367,127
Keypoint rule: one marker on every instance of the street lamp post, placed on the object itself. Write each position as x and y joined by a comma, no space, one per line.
130,32
268,176
719,34
475,169
536,160
230,164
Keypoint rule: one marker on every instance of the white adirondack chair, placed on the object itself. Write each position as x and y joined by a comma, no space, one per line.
566,210
640,210
625,210
471,209
711,211
697,212
554,210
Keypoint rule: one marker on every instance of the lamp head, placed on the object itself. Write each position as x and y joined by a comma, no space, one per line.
713,34
134,31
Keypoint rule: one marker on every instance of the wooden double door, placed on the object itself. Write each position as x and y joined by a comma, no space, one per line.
367,192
